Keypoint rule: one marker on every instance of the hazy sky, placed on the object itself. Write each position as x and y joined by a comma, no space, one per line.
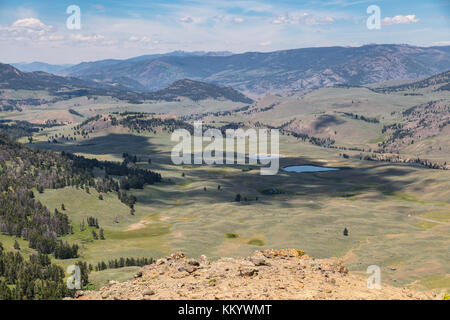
37,31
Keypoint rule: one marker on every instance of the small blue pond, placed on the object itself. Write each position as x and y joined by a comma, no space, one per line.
308,168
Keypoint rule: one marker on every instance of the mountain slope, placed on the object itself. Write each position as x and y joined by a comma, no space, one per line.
424,130
280,71
40,66
439,82
100,70
97,66
196,90
12,78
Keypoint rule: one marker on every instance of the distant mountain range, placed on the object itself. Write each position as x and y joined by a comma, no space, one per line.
285,72
67,87
56,68
12,78
276,72
40,66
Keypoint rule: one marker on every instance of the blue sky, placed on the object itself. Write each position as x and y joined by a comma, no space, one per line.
36,30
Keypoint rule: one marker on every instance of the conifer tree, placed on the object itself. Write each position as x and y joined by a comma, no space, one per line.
101,234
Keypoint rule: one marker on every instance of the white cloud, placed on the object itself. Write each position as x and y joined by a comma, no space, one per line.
52,37
238,20
265,43
139,39
302,18
83,38
280,20
442,43
29,29
400,19
186,20
31,23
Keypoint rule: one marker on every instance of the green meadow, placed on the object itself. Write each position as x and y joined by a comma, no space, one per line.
380,204
397,215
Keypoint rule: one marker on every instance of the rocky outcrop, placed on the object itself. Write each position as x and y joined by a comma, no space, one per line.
268,274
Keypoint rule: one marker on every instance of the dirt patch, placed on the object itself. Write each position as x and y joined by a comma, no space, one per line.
139,225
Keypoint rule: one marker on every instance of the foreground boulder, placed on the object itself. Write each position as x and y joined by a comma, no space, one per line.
268,274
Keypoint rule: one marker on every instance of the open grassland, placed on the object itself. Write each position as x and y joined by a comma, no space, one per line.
382,205
93,105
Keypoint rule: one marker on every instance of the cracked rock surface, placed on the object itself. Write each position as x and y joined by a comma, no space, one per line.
268,274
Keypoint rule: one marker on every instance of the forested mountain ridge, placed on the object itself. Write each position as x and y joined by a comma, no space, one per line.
196,90
438,82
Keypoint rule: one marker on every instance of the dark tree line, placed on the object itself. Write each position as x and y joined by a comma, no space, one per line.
361,117
16,129
33,279
92,222
140,122
129,200
123,262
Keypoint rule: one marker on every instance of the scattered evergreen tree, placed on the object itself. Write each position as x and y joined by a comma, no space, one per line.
92,222
101,234
63,250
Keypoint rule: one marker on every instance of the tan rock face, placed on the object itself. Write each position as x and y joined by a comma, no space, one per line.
268,274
